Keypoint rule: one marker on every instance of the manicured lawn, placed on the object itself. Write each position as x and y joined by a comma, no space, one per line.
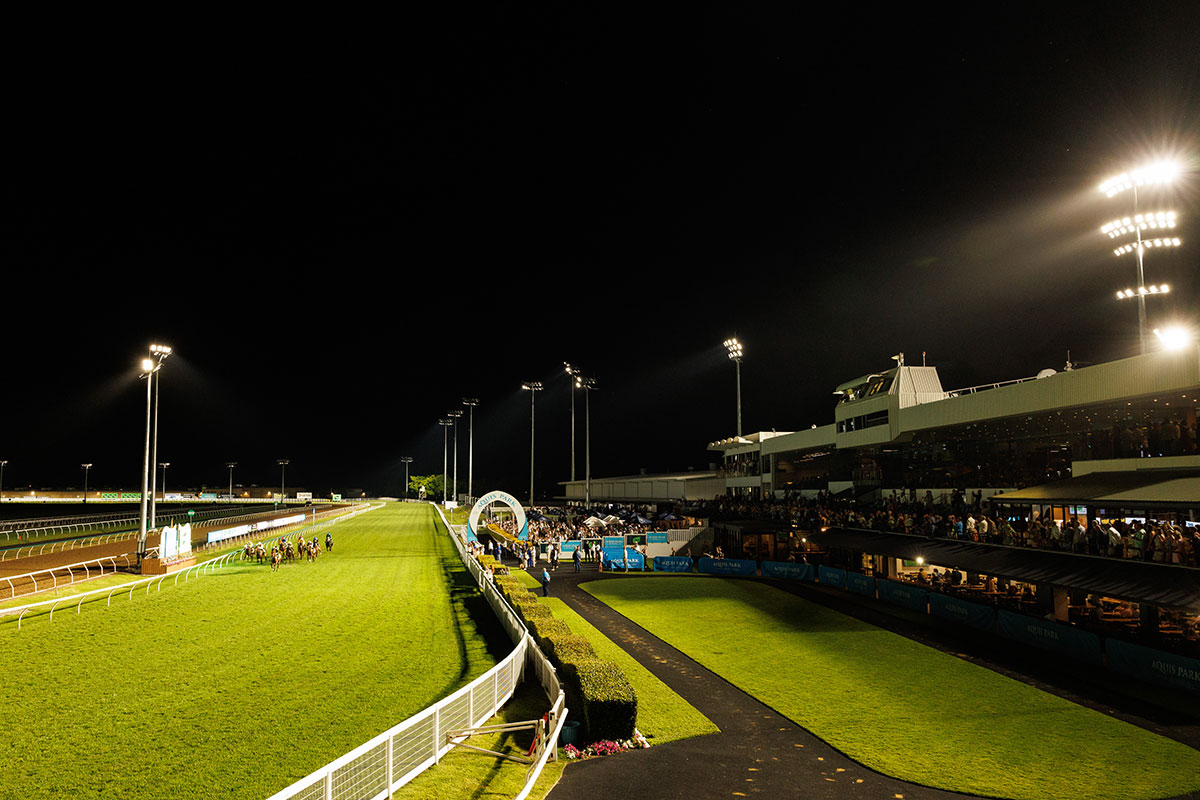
241,682
900,707
663,716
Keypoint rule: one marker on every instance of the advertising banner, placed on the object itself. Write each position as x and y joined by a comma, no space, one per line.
613,547
727,566
955,609
831,576
672,564
185,539
1049,635
860,584
630,559
168,544
789,570
568,547
903,594
1145,663
659,537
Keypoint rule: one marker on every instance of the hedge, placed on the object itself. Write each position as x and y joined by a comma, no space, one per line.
609,702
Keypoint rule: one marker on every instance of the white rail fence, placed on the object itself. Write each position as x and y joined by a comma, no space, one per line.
195,570
376,768
52,574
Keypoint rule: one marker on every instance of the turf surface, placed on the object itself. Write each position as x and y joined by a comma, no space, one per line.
239,683
900,707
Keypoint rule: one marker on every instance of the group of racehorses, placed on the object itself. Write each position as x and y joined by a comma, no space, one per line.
286,550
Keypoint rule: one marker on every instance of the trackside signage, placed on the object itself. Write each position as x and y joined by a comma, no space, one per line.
977,615
242,530
1049,635
728,566
1164,669
672,564
789,570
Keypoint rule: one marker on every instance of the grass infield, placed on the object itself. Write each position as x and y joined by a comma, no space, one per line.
243,681
899,707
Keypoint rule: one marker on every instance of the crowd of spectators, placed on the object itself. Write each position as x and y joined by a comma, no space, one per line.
974,520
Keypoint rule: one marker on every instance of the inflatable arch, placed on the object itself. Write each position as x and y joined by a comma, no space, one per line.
497,497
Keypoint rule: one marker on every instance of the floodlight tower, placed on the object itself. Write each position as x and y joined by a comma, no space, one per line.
283,464
588,385
470,403
3,464
734,348
454,417
445,423
230,465
1158,223
163,465
406,460
86,468
160,352
533,387
573,376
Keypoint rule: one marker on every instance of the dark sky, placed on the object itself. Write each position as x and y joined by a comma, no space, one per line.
344,238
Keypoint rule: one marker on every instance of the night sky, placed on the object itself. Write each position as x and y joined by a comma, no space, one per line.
342,247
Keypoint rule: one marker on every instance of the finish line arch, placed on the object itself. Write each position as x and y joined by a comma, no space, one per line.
498,497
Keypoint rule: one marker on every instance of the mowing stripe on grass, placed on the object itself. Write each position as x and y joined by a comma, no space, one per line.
900,707
240,683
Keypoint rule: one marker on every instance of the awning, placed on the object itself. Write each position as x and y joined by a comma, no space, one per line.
1164,585
1129,489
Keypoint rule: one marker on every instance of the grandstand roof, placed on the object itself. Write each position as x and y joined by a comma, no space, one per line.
1126,489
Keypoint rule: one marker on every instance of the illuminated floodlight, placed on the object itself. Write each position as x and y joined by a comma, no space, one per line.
147,365
1159,220
1174,338
1133,247
1160,288
734,348
160,350
1157,172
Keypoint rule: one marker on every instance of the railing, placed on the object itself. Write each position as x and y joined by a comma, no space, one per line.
376,768
14,580
45,548
197,569
983,387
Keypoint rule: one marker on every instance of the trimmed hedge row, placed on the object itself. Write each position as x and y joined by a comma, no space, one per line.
604,701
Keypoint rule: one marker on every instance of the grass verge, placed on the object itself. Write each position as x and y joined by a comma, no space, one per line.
900,707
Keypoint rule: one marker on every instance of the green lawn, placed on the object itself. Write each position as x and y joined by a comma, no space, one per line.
239,683
900,707
663,716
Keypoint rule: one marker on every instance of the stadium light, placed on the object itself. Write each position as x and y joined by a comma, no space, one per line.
159,351
1152,174
86,468
533,387
1174,338
573,376
445,423
588,385
734,349
231,465
150,365
3,464
470,403
283,464
1157,172
407,460
163,465
454,416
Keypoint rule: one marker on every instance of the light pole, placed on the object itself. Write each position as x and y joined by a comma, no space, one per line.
163,465
734,348
85,468
588,385
533,387
573,376
148,368
161,351
407,460
1161,172
470,403
230,465
2,465
283,462
445,423
453,416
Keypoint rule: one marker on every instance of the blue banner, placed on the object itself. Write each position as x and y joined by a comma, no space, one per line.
568,546
1058,637
727,566
860,584
614,546
524,534
671,564
955,609
657,538
631,559
789,569
903,594
831,576
1144,663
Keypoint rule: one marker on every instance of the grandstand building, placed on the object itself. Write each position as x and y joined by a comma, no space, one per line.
899,430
